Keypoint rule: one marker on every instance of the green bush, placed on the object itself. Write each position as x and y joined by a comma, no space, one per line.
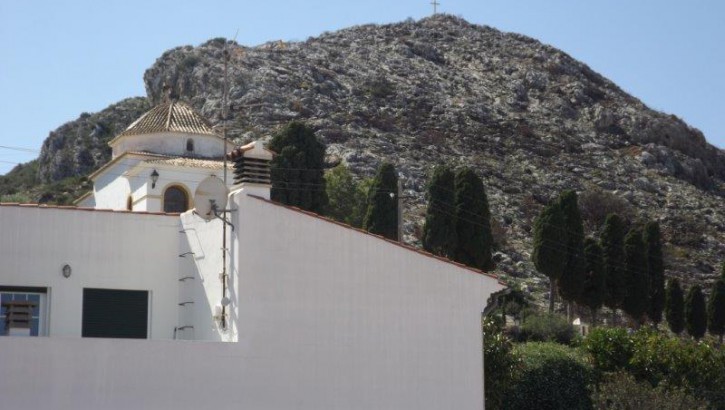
695,366
610,348
546,328
550,376
622,391
499,362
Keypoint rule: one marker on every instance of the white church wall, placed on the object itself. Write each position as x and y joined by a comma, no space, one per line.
188,178
111,188
170,143
114,250
334,318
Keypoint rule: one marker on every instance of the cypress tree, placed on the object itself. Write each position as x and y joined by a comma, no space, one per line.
716,309
656,271
549,256
571,283
594,280
439,231
473,221
612,241
381,217
675,306
297,169
695,313
636,280
347,197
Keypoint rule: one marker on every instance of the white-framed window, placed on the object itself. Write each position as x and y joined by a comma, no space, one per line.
36,296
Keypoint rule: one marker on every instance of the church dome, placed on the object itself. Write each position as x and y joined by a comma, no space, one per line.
172,116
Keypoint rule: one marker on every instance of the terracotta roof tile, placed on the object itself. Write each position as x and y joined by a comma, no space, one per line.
172,116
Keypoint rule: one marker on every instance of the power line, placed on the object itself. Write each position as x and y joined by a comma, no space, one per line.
22,149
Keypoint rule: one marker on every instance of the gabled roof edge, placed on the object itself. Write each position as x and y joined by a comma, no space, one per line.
400,244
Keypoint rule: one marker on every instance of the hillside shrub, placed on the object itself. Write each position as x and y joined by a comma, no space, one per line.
622,391
546,327
549,376
611,349
696,367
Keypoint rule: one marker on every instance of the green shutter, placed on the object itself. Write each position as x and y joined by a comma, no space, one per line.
115,313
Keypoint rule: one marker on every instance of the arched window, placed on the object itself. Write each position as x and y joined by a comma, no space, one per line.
129,203
176,200
190,145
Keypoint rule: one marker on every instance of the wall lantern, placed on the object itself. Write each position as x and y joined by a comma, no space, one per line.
66,271
154,178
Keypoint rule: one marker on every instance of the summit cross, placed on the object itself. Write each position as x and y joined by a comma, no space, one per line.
435,6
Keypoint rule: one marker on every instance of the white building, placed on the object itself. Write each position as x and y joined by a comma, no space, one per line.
299,313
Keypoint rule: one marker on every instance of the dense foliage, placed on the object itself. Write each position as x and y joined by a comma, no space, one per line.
298,168
716,309
675,306
610,349
571,283
612,240
381,217
622,391
473,221
347,197
549,256
595,286
439,232
499,363
636,279
695,313
656,271
546,327
551,376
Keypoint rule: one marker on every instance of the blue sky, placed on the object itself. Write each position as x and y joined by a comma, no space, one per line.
60,58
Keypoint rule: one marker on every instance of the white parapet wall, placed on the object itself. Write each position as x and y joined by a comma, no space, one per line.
104,249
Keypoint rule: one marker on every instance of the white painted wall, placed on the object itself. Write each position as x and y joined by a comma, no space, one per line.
110,374
105,250
111,188
333,318
326,317
170,143
204,239
132,177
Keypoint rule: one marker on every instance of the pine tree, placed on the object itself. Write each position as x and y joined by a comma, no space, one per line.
656,271
695,313
594,280
571,283
439,231
381,217
549,255
612,241
297,169
473,221
675,307
636,280
716,309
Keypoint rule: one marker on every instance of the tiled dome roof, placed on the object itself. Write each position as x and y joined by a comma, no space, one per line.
172,116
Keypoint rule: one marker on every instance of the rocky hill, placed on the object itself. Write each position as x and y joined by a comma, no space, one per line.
528,117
